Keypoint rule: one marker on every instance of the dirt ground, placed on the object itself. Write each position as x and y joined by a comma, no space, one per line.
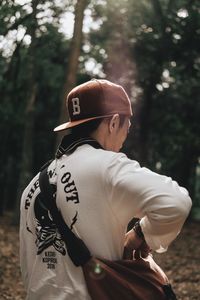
181,263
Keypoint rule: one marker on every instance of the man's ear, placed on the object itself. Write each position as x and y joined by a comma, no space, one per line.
114,123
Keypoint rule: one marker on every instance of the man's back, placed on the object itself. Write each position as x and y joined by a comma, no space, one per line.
83,199
98,192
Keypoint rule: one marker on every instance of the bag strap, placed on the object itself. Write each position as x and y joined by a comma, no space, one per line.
76,248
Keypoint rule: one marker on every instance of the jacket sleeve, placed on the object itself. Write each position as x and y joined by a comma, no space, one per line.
160,202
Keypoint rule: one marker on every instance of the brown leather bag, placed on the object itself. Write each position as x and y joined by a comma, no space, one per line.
140,279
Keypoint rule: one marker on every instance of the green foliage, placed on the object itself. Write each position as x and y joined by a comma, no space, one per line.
163,37
50,57
151,47
168,62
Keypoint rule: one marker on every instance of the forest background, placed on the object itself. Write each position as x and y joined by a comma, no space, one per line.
151,47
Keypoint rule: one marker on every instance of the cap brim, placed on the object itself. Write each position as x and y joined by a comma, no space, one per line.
72,124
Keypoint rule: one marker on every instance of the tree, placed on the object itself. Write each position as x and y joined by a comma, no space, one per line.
166,54
163,37
20,80
27,148
75,49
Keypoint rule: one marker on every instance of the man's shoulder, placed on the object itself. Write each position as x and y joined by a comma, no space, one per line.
100,153
30,192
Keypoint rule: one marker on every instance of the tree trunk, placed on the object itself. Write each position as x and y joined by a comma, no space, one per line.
8,123
27,147
184,170
27,151
145,110
75,48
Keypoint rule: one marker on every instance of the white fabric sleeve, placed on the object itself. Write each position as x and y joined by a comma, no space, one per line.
160,202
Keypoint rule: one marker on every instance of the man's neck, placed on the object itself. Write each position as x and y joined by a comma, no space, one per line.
101,136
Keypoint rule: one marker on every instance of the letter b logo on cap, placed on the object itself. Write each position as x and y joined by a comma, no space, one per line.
76,106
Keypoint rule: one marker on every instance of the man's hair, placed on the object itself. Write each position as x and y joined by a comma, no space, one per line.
87,128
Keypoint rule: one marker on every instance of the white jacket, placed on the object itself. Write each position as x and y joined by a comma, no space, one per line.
98,193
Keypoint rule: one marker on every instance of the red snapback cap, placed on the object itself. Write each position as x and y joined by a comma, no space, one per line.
95,99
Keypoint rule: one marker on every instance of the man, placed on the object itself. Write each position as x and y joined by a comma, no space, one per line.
99,190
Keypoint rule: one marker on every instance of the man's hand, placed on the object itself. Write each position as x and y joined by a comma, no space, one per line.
134,246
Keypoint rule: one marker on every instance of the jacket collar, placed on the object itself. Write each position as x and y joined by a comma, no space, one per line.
70,143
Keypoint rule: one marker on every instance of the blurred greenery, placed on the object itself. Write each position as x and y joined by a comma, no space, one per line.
151,47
